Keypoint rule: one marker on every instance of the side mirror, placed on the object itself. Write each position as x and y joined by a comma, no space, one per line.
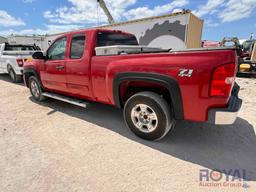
38,55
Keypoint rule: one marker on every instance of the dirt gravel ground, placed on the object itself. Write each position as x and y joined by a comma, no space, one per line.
54,146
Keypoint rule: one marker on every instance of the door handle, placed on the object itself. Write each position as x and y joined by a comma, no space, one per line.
60,68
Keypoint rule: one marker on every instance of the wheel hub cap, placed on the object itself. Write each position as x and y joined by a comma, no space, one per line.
144,118
35,89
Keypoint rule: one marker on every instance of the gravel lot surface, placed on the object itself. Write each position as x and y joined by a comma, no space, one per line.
54,146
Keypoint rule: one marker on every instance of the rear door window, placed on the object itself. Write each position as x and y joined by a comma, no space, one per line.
77,46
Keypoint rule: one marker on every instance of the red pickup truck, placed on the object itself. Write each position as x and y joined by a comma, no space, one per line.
154,87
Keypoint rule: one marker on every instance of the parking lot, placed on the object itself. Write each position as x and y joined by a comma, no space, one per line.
55,146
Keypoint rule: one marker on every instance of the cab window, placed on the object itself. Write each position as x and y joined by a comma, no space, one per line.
77,46
110,38
57,50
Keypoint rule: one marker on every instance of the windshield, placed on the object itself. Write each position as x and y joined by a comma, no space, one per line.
20,48
247,46
109,39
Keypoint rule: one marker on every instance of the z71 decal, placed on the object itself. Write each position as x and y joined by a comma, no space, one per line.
185,73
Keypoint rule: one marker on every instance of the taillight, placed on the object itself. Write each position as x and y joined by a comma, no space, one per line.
222,80
20,62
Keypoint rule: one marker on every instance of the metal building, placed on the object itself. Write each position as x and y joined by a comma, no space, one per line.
3,39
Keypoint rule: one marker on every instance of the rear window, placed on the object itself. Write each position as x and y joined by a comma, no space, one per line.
20,48
109,39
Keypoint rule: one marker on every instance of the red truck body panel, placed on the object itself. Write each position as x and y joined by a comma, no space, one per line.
91,77
194,90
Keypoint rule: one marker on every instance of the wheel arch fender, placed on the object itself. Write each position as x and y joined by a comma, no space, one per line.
31,72
168,82
8,66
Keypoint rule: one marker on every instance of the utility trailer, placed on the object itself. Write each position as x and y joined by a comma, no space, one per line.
173,31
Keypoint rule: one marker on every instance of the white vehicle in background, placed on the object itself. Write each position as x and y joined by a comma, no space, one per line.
12,58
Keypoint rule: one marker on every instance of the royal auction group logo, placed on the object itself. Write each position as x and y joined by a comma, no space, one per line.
234,178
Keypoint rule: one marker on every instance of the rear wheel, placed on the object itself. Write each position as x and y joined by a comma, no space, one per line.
15,78
148,115
35,89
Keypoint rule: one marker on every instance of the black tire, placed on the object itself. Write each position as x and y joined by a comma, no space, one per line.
156,105
15,78
32,82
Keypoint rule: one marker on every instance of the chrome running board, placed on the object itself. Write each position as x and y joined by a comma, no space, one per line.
66,99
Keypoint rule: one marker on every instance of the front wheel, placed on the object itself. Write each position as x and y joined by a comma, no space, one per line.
35,89
148,115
